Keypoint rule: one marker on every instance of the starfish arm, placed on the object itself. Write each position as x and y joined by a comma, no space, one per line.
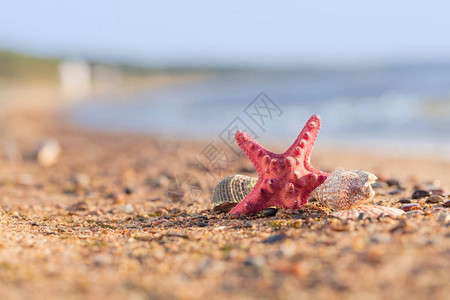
254,151
309,183
304,144
251,204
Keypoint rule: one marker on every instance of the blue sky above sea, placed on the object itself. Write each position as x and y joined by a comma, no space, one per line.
263,33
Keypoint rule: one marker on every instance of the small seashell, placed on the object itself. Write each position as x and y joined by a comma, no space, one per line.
344,189
230,191
373,211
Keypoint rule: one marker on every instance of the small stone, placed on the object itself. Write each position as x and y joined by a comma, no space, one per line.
393,182
410,206
362,216
128,191
403,226
382,215
161,181
437,191
200,224
48,152
414,213
404,200
175,196
435,199
446,203
380,239
79,206
247,169
258,262
248,225
127,208
81,180
444,218
420,194
274,238
118,198
269,212
395,192
379,185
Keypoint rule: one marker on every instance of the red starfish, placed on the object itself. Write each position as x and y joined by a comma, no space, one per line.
284,180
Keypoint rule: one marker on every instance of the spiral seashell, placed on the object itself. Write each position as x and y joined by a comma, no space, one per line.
230,191
344,189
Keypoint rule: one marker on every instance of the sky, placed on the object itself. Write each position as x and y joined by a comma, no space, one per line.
230,32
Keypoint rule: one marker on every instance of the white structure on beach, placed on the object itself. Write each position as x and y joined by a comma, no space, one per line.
75,79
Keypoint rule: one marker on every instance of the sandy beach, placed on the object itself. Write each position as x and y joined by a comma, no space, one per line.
99,223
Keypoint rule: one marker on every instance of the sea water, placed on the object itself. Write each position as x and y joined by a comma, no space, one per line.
388,108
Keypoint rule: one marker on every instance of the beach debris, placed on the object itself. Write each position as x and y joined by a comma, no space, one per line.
346,191
284,180
48,152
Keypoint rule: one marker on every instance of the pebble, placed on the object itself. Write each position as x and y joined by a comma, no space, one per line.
258,262
161,181
410,206
420,194
175,196
118,198
380,239
437,191
159,222
128,191
48,152
362,216
396,192
248,225
274,238
394,182
79,206
444,218
382,215
200,224
435,199
81,180
404,200
413,213
446,203
379,185
269,212
401,225
247,169
127,208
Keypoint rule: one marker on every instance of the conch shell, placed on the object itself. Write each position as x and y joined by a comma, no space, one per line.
346,191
